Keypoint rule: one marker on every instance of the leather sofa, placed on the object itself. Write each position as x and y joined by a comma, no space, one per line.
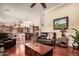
43,39
7,40
46,41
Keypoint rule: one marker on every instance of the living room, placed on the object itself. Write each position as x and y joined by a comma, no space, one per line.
33,29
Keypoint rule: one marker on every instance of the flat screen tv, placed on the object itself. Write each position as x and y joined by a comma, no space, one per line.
61,23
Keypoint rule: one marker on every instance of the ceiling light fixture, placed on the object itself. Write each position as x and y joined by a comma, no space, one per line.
7,10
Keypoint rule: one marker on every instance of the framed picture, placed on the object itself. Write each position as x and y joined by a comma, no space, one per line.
61,23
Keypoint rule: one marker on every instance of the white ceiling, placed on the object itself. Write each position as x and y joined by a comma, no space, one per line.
12,12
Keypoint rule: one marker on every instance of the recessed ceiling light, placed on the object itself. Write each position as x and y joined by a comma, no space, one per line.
7,10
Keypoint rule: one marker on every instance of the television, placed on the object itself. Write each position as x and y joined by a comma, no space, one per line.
61,23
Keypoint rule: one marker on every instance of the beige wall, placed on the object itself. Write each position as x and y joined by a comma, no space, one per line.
70,10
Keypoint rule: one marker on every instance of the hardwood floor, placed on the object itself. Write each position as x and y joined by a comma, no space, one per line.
19,50
59,51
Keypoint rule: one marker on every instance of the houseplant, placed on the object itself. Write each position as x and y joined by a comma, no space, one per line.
75,37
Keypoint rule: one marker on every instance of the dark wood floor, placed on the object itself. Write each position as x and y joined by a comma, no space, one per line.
19,50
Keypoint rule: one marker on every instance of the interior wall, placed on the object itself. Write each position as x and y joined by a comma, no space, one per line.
70,10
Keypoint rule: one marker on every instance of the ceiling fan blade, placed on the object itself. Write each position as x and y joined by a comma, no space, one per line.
43,5
32,5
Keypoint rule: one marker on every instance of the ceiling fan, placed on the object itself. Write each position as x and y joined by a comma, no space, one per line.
43,5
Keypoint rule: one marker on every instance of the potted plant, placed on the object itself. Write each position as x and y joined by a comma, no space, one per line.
75,37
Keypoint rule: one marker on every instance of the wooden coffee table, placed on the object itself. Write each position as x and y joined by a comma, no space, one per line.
38,50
